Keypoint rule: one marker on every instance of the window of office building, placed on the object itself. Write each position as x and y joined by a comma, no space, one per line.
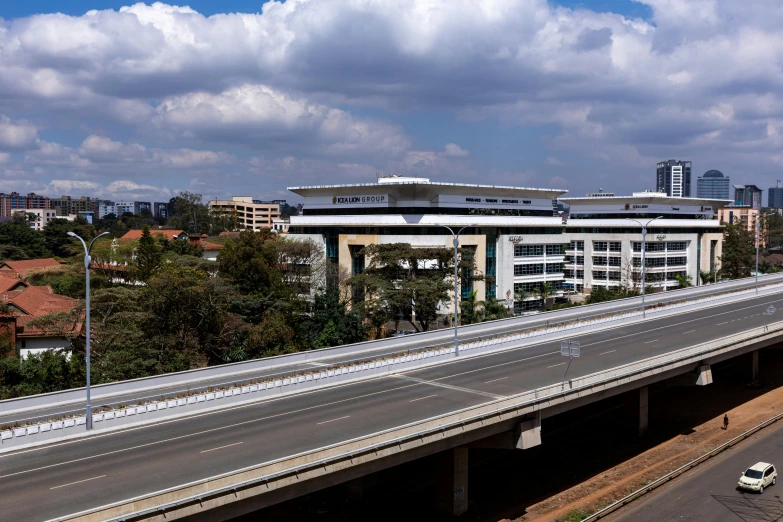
580,260
599,275
677,246
527,288
650,262
528,250
527,306
672,276
614,275
554,250
554,268
615,261
570,274
676,261
533,269
599,260
576,245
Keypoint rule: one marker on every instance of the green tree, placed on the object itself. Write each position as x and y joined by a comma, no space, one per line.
399,279
545,291
11,253
330,323
59,243
494,310
148,255
683,281
472,309
22,240
250,261
738,252
602,294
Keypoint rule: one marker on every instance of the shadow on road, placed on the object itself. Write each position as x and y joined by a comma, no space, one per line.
752,508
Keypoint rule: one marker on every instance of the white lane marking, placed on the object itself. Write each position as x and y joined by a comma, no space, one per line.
326,422
221,447
604,353
495,380
653,341
450,387
422,398
77,482
723,323
561,364
317,364
689,331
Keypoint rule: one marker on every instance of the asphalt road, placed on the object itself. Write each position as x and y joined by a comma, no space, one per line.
46,482
390,346
709,494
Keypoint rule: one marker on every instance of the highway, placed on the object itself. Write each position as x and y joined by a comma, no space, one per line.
51,481
709,494
388,346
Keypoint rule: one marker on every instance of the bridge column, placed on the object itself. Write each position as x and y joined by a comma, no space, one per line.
529,432
705,375
755,368
452,482
644,422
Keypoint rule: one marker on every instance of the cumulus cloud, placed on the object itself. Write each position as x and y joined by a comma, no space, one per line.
15,136
257,113
702,78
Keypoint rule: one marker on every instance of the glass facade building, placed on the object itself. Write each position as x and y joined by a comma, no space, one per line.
713,185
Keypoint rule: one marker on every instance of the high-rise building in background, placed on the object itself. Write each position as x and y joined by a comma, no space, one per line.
15,201
748,196
123,207
674,178
66,205
775,196
713,184
160,210
142,206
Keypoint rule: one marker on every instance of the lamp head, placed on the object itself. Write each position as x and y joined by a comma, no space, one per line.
72,234
438,224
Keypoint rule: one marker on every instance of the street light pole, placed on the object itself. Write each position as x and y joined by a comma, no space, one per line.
644,248
758,227
455,242
87,261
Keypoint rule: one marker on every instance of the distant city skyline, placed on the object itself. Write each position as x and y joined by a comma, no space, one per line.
128,101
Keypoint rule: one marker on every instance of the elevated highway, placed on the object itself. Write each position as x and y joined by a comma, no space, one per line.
234,460
70,402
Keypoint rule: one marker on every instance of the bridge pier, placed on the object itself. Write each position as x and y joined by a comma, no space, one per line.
451,494
755,366
528,433
644,410
705,375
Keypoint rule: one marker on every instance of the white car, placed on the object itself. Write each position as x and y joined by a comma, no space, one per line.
758,476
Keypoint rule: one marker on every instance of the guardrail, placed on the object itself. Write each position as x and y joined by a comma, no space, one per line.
614,506
14,437
316,462
106,391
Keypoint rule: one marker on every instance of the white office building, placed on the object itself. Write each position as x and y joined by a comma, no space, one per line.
519,241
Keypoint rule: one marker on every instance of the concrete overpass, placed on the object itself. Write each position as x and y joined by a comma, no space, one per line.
234,460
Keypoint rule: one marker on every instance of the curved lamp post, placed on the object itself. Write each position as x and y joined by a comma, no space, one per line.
87,261
644,247
455,242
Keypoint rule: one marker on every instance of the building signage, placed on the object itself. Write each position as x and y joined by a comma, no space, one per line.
515,239
499,201
358,200
640,206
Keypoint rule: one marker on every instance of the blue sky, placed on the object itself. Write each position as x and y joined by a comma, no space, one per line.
145,101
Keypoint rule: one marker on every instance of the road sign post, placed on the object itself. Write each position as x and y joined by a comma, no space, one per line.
768,312
569,349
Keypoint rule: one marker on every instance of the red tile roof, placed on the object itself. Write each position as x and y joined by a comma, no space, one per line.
41,300
211,247
20,268
168,234
8,284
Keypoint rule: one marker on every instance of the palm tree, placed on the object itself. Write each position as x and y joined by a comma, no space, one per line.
706,277
684,281
520,296
472,308
545,291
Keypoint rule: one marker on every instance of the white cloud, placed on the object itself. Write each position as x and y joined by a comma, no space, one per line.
254,113
16,135
702,78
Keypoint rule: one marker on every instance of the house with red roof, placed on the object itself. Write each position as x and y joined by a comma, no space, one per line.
19,269
209,250
23,304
